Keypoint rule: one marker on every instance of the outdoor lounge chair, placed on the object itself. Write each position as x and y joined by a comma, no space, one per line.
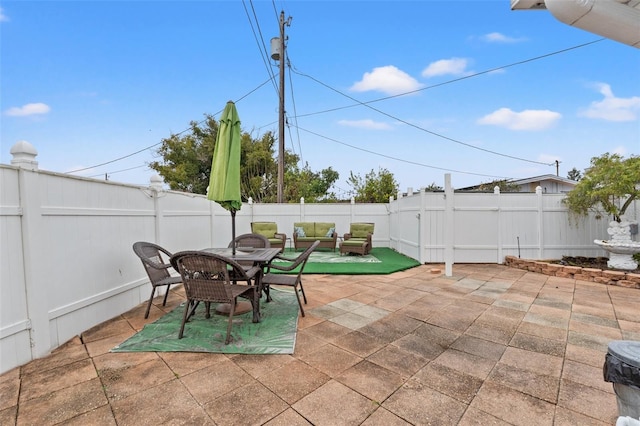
207,278
270,231
294,281
359,239
157,270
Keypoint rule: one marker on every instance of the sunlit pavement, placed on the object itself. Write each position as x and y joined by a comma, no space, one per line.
490,345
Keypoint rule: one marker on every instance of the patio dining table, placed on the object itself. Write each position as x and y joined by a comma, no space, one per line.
259,257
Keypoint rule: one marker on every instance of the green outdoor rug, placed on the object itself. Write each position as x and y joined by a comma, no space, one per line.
381,261
275,334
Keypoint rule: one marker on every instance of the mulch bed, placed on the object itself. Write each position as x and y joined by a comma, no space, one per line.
588,262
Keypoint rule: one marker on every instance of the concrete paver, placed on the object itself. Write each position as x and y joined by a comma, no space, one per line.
490,345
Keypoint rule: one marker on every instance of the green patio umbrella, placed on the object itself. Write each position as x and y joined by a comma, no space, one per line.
224,182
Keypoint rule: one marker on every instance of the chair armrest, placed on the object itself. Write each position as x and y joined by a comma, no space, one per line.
157,265
282,267
347,236
280,235
252,271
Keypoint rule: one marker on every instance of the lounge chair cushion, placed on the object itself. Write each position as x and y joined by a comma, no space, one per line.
361,230
322,229
268,229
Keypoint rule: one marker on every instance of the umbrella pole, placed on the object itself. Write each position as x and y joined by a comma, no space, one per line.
233,231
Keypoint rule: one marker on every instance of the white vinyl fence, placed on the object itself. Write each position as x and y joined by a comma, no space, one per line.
67,264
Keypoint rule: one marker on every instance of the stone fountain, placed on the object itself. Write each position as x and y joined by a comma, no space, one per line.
621,247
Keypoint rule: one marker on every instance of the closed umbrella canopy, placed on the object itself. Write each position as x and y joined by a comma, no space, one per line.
224,181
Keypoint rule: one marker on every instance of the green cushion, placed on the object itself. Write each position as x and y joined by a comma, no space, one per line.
322,228
268,229
307,227
354,242
273,241
361,230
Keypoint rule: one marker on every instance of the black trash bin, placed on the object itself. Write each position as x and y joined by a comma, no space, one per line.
622,368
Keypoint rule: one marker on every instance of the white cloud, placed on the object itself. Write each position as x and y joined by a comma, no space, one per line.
500,38
387,79
453,66
525,120
3,17
28,109
365,124
612,108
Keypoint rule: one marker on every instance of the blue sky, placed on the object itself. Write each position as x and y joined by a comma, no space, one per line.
420,88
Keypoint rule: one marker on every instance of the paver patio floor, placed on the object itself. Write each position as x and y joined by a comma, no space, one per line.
490,345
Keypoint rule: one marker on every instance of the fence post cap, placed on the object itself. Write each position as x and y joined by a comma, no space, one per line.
24,155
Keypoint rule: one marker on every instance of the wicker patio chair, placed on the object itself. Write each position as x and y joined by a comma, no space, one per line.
207,278
294,281
358,239
157,270
251,240
270,230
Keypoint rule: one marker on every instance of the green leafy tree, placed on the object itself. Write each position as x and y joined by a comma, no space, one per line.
433,187
313,186
574,174
258,169
504,185
185,165
186,160
608,187
374,187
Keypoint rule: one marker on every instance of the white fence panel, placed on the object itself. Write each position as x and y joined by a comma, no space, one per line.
14,321
67,263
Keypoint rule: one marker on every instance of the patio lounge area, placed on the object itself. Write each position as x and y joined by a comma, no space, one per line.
489,345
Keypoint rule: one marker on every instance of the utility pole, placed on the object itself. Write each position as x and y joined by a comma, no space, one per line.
281,57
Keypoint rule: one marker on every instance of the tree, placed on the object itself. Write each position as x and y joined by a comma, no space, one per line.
609,187
313,186
186,166
186,160
433,187
574,174
375,187
503,184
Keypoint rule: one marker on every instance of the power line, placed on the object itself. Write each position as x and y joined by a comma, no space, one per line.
295,115
415,126
259,42
173,134
455,80
119,171
400,159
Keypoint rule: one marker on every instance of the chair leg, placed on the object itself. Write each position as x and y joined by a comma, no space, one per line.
232,309
266,289
153,291
166,294
302,291
184,318
295,290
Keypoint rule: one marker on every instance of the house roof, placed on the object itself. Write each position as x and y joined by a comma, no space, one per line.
529,180
552,178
